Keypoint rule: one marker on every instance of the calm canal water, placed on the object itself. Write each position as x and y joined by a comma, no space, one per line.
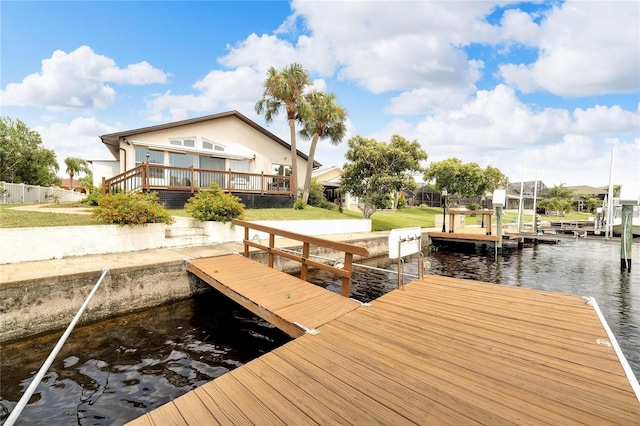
116,370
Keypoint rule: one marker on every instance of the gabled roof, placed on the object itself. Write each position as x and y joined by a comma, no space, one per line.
112,140
587,190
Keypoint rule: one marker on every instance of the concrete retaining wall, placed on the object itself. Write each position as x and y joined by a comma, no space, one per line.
37,306
55,242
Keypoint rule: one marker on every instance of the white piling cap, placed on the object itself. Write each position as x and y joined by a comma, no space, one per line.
630,193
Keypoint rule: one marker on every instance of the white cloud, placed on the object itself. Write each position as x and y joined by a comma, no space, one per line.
77,138
382,46
76,81
586,48
218,90
607,120
496,128
519,27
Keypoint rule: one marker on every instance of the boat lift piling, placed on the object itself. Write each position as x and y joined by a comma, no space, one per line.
629,197
499,199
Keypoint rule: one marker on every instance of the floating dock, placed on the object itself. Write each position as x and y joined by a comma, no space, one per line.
439,351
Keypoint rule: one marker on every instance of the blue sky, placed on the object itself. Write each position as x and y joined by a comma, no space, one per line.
553,87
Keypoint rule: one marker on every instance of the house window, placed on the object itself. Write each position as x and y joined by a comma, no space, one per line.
186,142
212,145
153,156
281,170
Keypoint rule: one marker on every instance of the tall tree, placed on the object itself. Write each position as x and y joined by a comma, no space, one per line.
286,88
324,119
465,180
75,165
23,158
376,169
494,179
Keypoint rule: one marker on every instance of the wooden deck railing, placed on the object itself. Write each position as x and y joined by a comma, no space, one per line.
147,177
349,251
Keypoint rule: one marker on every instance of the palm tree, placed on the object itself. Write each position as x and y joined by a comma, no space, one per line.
324,119
559,198
285,88
75,165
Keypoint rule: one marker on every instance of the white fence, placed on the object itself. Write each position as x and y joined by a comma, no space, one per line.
19,193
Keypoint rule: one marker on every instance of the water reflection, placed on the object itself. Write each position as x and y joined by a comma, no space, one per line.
116,370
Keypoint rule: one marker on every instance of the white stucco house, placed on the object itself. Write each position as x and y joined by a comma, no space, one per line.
329,178
178,158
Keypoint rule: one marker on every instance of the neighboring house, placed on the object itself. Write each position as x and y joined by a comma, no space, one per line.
584,192
512,198
77,186
330,180
528,193
176,159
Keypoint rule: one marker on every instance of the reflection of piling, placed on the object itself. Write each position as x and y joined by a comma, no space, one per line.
499,226
626,238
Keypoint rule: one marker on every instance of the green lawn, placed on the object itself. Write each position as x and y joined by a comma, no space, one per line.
10,218
423,217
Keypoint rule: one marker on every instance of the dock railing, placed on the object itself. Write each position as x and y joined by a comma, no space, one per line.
349,251
147,177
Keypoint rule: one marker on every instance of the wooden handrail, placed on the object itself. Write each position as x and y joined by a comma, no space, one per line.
349,251
148,176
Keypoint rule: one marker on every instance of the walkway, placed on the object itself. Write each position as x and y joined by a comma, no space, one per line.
287,302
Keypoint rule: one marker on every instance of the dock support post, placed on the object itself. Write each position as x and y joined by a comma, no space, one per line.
626,238
499,226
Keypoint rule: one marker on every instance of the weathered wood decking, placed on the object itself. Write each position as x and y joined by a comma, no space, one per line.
284,300
440,351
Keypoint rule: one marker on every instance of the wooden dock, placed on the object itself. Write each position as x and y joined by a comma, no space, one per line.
285,301
439,351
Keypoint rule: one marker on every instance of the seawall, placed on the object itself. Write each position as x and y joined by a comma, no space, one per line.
34,301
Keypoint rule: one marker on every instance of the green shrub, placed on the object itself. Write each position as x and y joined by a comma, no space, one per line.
474,206
401,203
300,204
94,197
316,194
214,205
131,209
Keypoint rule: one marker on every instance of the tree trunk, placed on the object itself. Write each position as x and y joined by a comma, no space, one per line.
307,180
71,180
294,159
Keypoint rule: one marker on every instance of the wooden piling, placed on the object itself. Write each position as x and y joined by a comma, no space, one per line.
626,238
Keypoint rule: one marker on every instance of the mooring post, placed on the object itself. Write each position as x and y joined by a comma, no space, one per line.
626,238
629,197
499,198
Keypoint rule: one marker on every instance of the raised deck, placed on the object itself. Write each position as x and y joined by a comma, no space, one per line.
285,301
440,351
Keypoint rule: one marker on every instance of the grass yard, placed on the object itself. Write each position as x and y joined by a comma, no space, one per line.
10,218
423,217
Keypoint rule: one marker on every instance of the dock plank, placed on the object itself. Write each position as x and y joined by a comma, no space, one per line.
439,351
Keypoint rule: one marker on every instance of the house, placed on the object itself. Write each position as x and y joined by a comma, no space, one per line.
528,193
177,159
65,183
330,180
584,192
